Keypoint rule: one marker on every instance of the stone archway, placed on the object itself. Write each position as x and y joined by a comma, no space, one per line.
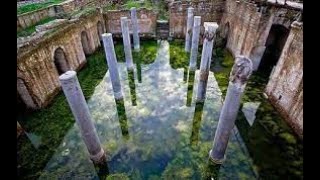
275,42
226,30
60,61
100,30
24,98
85,43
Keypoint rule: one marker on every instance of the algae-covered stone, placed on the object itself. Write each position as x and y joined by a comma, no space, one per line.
120,176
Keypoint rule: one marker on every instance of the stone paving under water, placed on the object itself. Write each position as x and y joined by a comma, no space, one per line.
157,138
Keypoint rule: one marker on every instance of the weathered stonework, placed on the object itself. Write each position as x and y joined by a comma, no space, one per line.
210,11
147,21
285,87
246,25
36,70
31,18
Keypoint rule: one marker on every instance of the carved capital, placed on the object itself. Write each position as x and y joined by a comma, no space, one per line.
241,70
208,35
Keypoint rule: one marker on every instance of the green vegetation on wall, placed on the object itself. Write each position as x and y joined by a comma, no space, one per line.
29,30
36,6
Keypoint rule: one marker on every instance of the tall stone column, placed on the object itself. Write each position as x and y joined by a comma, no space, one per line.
239,75
112,64
210,30
195,43
189,29
135,29
126,42
72,90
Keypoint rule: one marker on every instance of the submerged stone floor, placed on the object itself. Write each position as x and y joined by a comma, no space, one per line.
160,137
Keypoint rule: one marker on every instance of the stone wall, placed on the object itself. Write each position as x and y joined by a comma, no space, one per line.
285,87
209,10
147,21
246,25
37,74
31,18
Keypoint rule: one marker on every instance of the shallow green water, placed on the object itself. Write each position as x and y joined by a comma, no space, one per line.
161,136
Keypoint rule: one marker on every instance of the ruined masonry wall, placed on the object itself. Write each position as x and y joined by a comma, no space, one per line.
31,18
146,22
285,87
249,25
35,62
209,10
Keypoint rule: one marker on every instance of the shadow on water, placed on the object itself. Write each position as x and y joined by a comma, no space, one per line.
132,87
121,110
194,139
190,87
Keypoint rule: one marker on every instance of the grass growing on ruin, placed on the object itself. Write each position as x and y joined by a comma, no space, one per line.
36,6
179,58
53,122
147,53
29,30
131,3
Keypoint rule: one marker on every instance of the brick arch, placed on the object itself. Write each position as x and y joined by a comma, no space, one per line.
60,60
85,41
100,30
24,93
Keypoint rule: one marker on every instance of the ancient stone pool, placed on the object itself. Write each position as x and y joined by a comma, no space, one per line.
160,132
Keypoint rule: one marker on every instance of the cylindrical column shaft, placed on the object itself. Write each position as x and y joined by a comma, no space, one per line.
126,42
135,29
188,32
195,43
112,64
72,90
240,73
210,30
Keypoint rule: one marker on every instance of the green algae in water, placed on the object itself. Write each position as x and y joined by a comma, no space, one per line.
161,130
275,149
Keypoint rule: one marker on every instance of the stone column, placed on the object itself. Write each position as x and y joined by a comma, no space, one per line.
126,42
239,75
135,29
210,29
189,29
112,64
72,90
195,43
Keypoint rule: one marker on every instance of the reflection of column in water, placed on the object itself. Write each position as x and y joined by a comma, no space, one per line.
185,73
194,139
102,170
211,170
138,63
132,87
190,87
122,118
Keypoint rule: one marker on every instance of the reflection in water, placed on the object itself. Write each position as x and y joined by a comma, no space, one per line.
132,87
122,118
194,139
102,170
185,74
190,87
160,125
138,64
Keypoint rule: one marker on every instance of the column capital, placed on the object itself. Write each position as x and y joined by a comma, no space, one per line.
241,70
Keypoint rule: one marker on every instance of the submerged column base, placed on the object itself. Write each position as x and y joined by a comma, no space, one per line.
99,158
118,95
215,160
